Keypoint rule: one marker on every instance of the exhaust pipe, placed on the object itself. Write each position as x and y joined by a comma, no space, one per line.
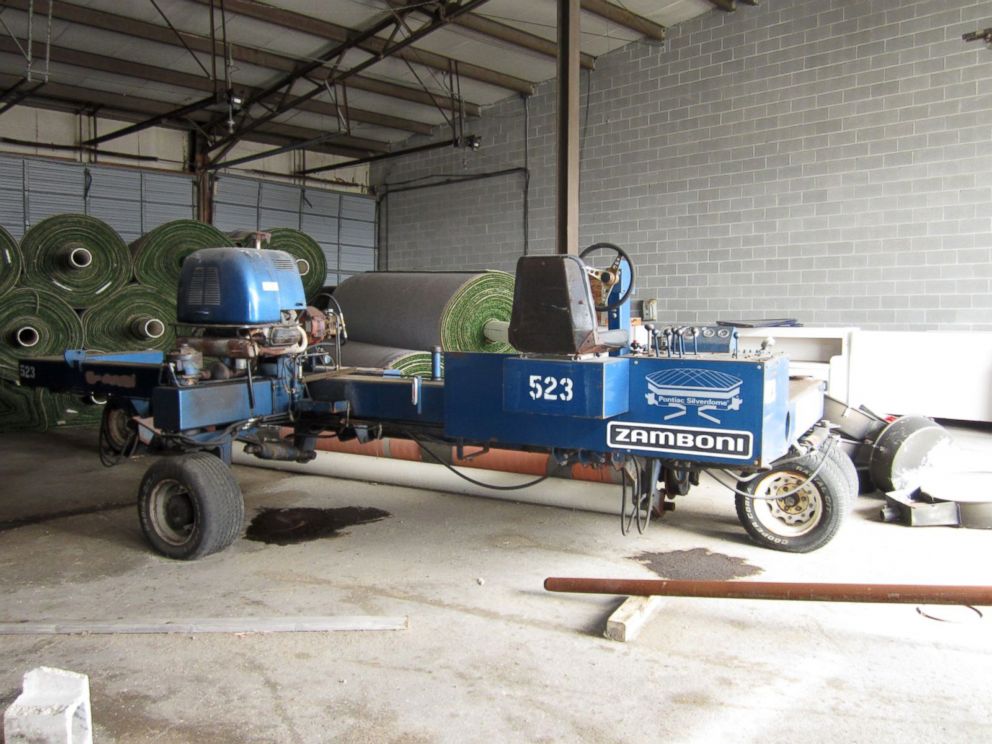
279,451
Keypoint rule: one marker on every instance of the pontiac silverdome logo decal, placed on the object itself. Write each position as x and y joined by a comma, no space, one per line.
703,389
680,440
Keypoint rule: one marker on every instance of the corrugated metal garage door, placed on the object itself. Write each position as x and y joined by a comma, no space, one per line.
343,224
131,201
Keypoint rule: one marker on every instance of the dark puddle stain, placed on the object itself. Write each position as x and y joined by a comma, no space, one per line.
292,526
13,524
697,564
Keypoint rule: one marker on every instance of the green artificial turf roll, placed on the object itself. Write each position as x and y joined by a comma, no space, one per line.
159,254
62,409
79,258
487,296
408,362
417,364
136,317
22,408
35,409
35,323
10,262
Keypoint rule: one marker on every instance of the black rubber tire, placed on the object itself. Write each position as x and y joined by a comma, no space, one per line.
829,489
208,493
117,427
848,471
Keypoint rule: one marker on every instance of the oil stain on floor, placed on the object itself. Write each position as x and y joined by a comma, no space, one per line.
698,564
297,525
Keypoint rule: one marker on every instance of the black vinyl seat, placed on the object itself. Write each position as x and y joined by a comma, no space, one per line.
554,312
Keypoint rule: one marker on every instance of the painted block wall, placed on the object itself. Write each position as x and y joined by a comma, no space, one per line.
829,160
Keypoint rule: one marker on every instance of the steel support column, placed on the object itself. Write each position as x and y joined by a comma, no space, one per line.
567,197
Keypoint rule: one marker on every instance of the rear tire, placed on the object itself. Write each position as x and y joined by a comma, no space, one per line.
847,470
117,428
190,506
800,522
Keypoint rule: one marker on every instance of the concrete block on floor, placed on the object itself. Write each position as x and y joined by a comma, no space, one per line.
53,707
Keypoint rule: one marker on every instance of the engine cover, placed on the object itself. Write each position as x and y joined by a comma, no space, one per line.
238,286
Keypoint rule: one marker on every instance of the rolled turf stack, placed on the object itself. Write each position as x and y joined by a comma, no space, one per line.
79,258
409,312
35,323
10,262
22,408
136,317
310,259
159,255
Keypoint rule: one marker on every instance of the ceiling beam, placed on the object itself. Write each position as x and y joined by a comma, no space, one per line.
623,17
333,32
727,5
135,109
511,35
381,156
414,95
394,44
173,115
168,76
84,16
508,34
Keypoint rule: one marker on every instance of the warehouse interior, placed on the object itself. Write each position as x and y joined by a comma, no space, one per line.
337,338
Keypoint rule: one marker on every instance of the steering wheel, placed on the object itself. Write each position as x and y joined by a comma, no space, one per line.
621,256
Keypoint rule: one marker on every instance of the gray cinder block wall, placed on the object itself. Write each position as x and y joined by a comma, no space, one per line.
828,160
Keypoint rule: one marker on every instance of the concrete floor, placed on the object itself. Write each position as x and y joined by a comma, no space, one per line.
499,660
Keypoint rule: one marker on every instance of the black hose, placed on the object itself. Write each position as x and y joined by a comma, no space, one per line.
439,461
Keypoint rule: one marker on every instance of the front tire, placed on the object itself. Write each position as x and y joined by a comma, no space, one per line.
190,506
797,522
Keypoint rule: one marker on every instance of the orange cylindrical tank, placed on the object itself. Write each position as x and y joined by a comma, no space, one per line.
503,460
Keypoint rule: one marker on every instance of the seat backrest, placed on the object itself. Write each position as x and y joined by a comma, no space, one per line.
553,309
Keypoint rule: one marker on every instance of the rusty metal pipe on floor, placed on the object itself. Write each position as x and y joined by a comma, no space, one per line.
884,593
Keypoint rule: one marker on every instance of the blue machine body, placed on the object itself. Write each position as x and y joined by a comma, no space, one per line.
719,409
583,390
697,408
238,286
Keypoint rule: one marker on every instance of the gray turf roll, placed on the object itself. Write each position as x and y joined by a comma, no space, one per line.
421,310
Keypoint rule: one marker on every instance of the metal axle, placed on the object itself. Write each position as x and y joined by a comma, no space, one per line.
886,593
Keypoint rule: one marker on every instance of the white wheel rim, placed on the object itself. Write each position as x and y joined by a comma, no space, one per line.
793,515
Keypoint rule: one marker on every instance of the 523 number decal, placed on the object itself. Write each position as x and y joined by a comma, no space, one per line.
550,388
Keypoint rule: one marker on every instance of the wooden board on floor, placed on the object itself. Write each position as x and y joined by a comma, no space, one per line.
630,617
209,625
